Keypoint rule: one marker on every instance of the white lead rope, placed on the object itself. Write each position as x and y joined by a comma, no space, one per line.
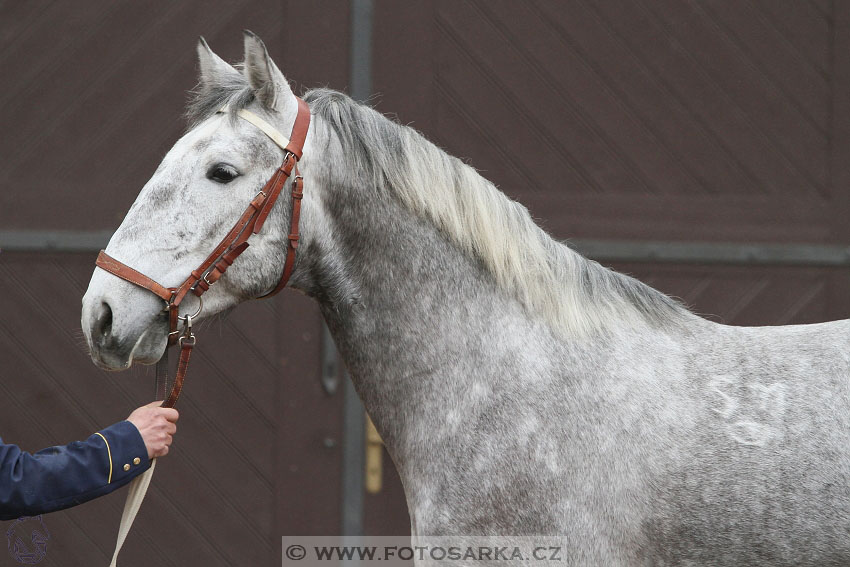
135,495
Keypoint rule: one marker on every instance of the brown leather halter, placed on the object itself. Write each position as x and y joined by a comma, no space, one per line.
223,255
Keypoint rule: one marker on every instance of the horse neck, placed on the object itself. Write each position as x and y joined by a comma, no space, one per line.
421,325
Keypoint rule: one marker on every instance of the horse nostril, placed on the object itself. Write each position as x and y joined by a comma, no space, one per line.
103,322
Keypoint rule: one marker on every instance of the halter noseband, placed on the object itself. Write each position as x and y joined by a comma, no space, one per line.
228,249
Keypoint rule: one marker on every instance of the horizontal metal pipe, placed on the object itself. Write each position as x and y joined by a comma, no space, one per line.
713,252
597,249
53,240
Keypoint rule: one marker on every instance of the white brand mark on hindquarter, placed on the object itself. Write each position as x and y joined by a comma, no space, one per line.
753,411
730,403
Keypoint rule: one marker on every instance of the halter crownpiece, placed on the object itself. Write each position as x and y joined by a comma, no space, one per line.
228,249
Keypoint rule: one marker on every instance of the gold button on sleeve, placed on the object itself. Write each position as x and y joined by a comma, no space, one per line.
136,461
127,467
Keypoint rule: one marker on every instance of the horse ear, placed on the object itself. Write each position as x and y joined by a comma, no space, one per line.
213,68
269,84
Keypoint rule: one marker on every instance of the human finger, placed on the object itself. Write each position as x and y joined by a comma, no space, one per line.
170,414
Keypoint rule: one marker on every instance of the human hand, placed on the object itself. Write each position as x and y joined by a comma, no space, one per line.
157,425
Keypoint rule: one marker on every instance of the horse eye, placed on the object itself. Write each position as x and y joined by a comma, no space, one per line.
222,173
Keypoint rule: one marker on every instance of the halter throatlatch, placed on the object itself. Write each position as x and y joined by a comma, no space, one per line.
225,253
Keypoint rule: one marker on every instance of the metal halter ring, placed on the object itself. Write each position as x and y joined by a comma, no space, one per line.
196,313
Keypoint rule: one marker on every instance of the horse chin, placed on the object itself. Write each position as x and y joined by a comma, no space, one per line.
110,361
116,364
147,350
146,361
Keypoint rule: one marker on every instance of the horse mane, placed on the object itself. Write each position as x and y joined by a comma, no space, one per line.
574,294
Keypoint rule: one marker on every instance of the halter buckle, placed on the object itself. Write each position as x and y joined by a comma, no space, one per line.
285,161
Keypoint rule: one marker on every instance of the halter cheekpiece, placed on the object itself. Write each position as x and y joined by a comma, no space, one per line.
228,249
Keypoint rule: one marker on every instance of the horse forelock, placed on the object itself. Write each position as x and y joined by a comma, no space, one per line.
230,90
574,294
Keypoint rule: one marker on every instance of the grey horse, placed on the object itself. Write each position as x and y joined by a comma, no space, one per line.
520,388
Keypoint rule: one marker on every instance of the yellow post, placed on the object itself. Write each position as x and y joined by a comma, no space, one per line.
374,458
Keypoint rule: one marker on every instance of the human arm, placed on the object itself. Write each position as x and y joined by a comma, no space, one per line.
63,476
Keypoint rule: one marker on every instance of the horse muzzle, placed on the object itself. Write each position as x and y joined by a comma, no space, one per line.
115,333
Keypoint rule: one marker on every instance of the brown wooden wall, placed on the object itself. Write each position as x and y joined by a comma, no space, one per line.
709,120
670,120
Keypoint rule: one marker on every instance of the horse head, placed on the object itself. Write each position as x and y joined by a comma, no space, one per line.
192,200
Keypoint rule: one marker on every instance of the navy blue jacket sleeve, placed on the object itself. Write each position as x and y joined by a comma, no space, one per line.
61,477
